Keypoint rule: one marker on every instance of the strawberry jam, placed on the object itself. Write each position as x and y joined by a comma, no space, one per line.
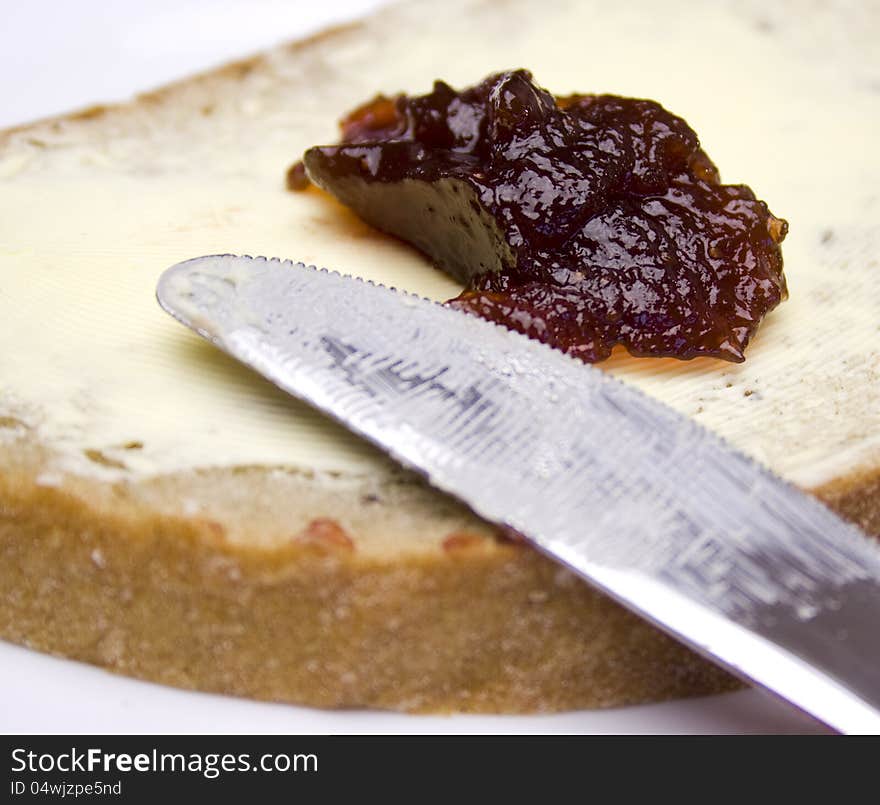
583,221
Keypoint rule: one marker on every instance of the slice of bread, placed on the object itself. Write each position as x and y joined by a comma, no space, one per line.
168,515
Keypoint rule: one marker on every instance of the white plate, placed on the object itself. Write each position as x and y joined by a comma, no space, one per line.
41,694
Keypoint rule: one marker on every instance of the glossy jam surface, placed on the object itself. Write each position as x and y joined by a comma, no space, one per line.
585,221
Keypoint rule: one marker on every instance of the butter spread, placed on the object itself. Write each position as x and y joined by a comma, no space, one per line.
92,211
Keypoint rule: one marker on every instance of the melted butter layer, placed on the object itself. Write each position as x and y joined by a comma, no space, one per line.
91,215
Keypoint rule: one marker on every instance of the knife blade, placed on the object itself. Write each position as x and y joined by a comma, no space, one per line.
642,502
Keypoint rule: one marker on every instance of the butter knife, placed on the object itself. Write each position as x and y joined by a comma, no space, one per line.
642,502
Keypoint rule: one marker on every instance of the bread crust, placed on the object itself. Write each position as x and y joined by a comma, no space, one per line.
115,575
234,70
855,497
471,622
162,600
477,624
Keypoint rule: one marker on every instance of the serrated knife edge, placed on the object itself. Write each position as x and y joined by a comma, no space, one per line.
644,503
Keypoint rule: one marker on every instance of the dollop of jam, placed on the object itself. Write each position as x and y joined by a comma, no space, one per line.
584,221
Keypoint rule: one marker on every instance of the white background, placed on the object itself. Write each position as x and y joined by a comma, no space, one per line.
58,56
